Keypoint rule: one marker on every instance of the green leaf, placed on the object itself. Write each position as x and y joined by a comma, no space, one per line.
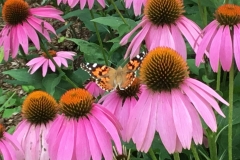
22,75
1,54
50,82
92,52
8,112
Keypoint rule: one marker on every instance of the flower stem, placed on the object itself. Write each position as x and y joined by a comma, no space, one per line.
230,112
218,78
152,155
194,151
55,64
99,39
212,144
176,156
23,54
119,13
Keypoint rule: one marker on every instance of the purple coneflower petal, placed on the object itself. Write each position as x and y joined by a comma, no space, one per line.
207,97
94,146
202,108
22,38
226,51
142,125
196,122
82,4
151,125
81,140
215,48
165,124
180,44
182,119
39,28
63,61
58,61
109,125
102,137
67,141
4,151
205,42
66,55
15,42
45,68
51,65
31,34
36,66
138,112
236,45
166,37
90,3
207,89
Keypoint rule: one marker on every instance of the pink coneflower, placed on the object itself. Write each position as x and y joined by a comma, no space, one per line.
171,103
137,5
73,3
94,89
22,23
121,102
44,61
163,25
84,130
38,109
221,39
10,149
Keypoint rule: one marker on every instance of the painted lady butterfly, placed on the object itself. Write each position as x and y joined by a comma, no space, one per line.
109,78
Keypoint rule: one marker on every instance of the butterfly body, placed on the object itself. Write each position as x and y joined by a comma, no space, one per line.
109,78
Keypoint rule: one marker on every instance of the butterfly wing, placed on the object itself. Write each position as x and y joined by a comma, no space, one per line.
130,69
102,75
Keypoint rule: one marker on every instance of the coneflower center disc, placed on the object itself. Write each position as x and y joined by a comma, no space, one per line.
76,103
51,52
161,12
163,69
228,14
39,107
131,91
2,129
15,11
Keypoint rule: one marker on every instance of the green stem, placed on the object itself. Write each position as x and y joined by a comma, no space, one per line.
73,32
125,9
176,156
119,13
23,54
212,144
55,64
152,155
230,112
99,39
194,151
218,78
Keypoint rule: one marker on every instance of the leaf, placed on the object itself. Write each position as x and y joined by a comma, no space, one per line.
1,54
92,52
50,82
22,75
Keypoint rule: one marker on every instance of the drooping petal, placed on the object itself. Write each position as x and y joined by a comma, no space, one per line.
215,49
182,119
236,45
82,140
226,51
165,124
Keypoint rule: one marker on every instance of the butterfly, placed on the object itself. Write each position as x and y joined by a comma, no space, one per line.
109,78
